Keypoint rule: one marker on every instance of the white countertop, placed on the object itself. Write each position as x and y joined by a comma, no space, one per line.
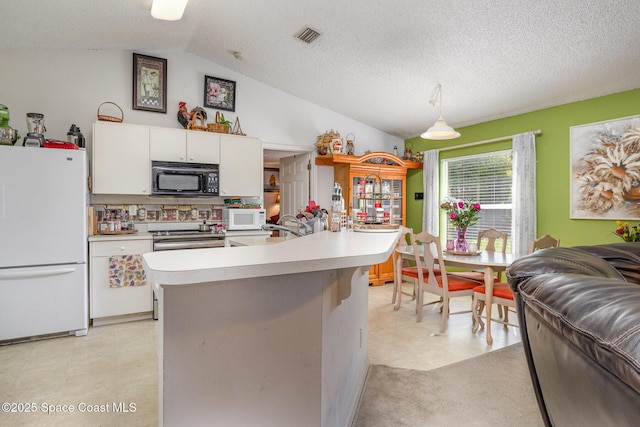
315,252
255,240
239,233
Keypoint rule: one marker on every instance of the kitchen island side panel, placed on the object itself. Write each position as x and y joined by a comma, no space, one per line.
243,352
345,360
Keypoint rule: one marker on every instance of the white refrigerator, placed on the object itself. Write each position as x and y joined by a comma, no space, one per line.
43,242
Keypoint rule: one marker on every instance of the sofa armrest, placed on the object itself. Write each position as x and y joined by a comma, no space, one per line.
599,316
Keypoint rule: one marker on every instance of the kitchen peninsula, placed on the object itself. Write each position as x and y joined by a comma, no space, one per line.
271,335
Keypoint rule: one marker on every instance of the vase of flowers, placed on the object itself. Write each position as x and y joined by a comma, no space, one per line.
627,232
461,244
462,214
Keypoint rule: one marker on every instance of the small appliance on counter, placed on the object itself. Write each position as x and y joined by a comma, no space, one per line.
52,143
8,136
74,136
244,219
337,207
35,130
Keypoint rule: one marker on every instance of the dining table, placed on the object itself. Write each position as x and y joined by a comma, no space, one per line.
487,262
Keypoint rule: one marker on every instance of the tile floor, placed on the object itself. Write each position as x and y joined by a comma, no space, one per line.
116,365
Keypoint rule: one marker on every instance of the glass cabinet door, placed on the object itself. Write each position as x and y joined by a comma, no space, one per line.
377,200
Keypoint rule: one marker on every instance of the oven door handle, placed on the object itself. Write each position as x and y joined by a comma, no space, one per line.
167,246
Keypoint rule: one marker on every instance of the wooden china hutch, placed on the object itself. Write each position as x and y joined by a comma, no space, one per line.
374,187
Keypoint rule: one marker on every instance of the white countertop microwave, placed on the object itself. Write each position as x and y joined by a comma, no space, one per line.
244,219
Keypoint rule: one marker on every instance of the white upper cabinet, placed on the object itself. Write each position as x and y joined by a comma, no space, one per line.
203,147
241,170
120,159
177,145
122,155
168,145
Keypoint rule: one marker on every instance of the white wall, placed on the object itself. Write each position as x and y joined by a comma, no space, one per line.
67,86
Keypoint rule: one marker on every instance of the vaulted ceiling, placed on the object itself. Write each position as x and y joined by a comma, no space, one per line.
375,61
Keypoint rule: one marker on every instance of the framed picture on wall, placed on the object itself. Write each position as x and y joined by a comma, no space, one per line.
149,83
271,179
219,93
605,170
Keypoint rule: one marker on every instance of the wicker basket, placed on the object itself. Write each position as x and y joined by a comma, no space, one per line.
105,118
193,124
217,126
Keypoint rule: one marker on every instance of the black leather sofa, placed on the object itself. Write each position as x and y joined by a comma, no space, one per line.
579,314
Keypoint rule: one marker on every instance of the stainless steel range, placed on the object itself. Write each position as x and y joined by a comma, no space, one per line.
172,236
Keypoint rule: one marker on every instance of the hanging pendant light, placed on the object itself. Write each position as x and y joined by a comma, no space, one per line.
168,10
440,129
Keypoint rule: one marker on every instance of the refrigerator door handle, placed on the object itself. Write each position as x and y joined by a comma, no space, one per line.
31,274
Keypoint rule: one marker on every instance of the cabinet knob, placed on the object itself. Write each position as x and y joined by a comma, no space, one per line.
181,157
121,248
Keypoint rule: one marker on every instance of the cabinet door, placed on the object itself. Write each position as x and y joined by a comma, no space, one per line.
120,159
106,301
169,145
240,166
203,147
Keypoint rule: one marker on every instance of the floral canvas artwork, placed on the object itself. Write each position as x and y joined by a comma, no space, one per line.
605,170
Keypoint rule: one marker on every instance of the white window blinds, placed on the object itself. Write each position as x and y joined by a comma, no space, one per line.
486,179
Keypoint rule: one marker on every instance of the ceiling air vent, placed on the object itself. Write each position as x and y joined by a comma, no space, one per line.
307,35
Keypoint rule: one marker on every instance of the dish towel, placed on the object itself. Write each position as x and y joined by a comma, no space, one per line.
126,270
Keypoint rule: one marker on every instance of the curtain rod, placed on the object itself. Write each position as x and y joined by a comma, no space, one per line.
486,141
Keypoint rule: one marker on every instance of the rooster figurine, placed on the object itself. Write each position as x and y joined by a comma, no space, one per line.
185,116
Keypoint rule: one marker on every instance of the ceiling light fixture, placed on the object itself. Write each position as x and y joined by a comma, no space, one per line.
168,10
440,129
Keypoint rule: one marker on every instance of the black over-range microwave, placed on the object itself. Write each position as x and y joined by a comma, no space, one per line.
184,179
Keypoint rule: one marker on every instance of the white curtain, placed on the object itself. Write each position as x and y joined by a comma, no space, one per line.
431,202
524,192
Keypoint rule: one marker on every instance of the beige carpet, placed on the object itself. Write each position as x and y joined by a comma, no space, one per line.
493,389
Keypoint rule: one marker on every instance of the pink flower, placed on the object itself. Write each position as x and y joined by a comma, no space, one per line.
476,206
461,204
453,215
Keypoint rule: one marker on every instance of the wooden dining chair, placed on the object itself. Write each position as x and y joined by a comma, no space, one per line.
437,281
543,242
404,274
502,295
490,236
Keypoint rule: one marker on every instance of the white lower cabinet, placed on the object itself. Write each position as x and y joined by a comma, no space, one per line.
107,301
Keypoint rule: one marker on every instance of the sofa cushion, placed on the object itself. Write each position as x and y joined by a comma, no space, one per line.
624,257
559,260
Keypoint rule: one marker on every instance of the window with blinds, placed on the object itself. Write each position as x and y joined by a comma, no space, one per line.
486,179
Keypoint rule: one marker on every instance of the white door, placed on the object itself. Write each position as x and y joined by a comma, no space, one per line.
294,183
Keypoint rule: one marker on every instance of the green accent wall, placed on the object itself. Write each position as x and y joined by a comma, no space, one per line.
552,154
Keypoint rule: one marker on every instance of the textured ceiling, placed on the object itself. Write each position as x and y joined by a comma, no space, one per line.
376,61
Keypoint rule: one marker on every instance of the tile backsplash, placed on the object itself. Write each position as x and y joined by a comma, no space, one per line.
157,213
